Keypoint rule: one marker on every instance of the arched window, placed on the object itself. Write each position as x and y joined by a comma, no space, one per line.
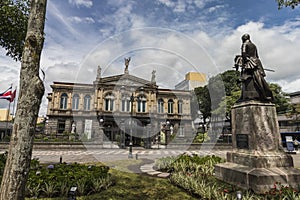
126,103
160,106
141,104
180,107
87,102
109,102
170,106
63,101
75,102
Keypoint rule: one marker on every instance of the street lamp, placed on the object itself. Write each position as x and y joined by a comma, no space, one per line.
99,134
132,99
167,130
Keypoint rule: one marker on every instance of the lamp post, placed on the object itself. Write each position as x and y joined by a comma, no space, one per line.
132,99
99,134
122,134
167,132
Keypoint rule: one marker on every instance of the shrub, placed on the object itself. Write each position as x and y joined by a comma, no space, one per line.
56,180
196,175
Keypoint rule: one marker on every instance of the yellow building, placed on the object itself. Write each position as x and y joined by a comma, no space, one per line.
4,115
192,80
126,108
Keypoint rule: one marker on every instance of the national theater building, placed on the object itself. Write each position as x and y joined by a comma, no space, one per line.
122,109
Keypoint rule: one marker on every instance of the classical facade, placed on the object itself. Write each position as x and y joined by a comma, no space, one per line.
121,108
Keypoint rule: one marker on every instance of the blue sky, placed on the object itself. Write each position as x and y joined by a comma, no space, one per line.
171,37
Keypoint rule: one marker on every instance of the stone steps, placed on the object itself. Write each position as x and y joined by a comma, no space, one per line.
148,169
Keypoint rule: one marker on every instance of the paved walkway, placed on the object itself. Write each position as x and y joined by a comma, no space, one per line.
108,155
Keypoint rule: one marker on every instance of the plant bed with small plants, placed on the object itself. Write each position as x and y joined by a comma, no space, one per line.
57,179
195,174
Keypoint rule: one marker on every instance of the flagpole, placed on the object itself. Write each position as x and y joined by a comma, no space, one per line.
13,113
7,116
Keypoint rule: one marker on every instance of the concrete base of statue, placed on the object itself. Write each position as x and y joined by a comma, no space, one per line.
257,160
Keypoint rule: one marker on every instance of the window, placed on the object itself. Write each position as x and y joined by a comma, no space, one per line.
109,102
75,102
180,107
170,106
141,104
87,102
126,104
160,106
63,101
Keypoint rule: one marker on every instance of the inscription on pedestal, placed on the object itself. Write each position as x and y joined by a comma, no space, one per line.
242,141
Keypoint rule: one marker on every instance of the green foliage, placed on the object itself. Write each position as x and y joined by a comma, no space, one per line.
196,175
229,82
13,26
56,180
280,98
132,186
203,101
287,3
200,138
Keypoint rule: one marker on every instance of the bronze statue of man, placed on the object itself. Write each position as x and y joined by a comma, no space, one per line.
254,86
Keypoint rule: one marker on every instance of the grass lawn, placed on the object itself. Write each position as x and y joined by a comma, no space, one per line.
130,186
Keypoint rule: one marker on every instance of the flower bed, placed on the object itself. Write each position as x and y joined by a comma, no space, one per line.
56,180
196,175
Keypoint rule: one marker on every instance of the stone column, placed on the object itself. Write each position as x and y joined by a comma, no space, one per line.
257,160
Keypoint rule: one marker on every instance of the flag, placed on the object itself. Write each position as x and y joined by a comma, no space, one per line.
8,95
12,96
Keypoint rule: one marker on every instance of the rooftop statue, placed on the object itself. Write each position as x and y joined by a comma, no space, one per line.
153,79
254,85
127,60
99,72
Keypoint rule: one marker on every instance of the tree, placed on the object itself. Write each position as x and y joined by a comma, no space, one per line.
225,84
288,3
13,26
230,80
280,98
203,102
31,91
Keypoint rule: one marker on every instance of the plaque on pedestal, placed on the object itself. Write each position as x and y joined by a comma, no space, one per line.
242,141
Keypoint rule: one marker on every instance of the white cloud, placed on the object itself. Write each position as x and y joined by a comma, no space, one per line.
277,47
167,3
72,53
78,20
84,3
215,8
56,14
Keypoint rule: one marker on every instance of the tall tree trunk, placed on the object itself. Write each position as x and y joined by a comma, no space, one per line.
31,91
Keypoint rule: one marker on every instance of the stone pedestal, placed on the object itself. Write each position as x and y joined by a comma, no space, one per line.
257,160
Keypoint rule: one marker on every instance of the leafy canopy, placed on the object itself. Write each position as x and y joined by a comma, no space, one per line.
13,26
288,3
